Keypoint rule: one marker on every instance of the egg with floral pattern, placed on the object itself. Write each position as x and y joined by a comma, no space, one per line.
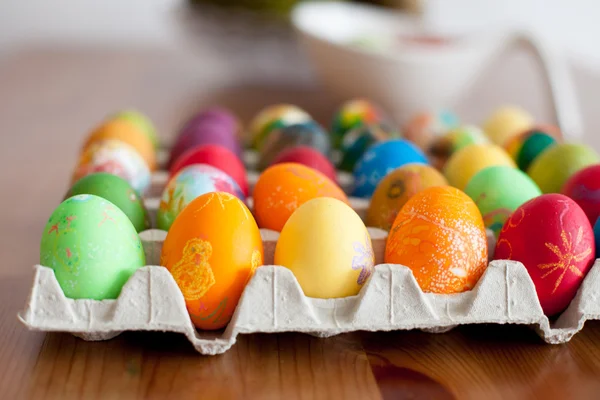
92,247
114,157
212,250
327,247
439,234
552,237
189,183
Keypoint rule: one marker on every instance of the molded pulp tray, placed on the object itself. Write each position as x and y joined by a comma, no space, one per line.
274,302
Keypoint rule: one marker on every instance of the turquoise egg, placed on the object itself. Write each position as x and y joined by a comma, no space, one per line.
498,191
359,139
92,247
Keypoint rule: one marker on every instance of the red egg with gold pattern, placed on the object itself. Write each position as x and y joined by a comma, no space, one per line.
215,156
553,238
308,156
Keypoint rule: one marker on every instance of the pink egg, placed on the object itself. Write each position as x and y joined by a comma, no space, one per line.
309,157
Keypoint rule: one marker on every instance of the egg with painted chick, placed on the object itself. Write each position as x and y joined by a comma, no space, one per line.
189,183
114,157
396,189
554,240
212,250
92,247
282,188
119,192
498,191
439,234
327,247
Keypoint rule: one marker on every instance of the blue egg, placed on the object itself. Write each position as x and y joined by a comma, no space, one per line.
381,159
597,236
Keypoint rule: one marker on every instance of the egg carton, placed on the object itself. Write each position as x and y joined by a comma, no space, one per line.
274,302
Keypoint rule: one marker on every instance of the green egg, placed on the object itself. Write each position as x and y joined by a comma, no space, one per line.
142,122
551,169
119,192
92,247
498,191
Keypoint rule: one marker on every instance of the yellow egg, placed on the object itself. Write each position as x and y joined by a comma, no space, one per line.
466,162
327,247
506,122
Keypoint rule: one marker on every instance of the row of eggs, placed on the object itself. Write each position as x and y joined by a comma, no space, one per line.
470,271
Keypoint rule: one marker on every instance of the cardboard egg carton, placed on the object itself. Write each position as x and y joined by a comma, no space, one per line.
274,302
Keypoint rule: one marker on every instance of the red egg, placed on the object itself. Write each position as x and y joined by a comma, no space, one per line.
553,238
584,188
309,157
216,156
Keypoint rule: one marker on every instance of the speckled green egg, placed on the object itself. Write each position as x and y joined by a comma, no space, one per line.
92,247
498,191
119,192
551,169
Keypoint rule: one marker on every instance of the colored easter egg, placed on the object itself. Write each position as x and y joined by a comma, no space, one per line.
188,184
274,117
142,122
212,251
202,134
353,114
551,169
466,162
217,156
327,247
439,234
119,192
396,189
215,116
114,157
127,132
597,236
92,247
306,134
282,188
553,238
358,140
381,159
506,122
422,128
498,191
525,147
307,156
455,139
584,188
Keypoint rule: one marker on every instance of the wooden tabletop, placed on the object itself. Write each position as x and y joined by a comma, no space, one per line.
50,98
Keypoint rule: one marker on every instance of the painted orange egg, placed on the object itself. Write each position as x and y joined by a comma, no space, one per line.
282,188
127,132
396,189
212,250
439,234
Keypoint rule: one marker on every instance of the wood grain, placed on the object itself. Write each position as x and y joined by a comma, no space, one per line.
51,99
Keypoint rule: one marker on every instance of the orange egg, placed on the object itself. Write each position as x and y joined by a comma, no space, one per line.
212,250
282,188
439,234
126,131
396,189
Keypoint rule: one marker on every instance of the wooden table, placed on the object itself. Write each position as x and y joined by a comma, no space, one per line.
51,98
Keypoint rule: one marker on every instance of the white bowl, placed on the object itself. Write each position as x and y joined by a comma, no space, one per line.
409,78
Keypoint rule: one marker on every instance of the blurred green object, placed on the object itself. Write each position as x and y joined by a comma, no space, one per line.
267,6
